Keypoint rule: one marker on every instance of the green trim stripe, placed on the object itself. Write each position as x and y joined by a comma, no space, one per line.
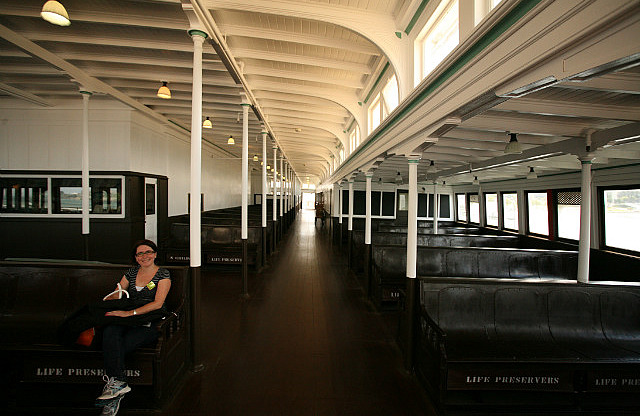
415,17
375,84
509,20
351,125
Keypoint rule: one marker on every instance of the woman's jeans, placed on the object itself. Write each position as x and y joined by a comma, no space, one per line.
120,340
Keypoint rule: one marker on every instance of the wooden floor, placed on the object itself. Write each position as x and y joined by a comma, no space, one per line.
305,343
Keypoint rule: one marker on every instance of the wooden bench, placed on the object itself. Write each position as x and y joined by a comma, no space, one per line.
35,298
389,266
430,240
221,245
548,340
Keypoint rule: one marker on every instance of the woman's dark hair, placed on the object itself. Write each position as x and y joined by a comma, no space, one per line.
139,243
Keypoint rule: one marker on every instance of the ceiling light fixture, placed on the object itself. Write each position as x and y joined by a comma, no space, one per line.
230,140
432,167
255,158
54,12
476,181
398,179
513,147
164,91
532,174
207,124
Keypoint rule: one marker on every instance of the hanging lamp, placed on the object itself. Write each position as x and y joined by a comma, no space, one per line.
432,167
255,158
54,12
207,124
164,91
513,147
532,173
230,140
476,181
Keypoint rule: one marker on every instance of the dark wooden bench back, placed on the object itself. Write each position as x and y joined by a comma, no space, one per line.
529,320
389,262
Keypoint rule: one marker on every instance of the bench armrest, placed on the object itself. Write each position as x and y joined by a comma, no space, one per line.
432,336
170,325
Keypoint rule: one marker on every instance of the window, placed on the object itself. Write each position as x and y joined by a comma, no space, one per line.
375,113
538,213
106,195
621,215
390,96
23,195
569,214
491,209
384,103
461,206
510,211
439,37
354,139
474,208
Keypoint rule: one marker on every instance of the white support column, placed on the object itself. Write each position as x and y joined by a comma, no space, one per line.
367,224
281,186
350,220
436,208
340,198
412,222
245,166
86,197
584,246
275,184
195,249
264,176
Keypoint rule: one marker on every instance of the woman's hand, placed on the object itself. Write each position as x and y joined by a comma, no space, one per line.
122,314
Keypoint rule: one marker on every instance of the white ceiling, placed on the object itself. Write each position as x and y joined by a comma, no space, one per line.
305,75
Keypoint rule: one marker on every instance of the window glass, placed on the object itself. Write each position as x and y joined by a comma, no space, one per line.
461,205
375,117
440,39
474,208
390,95
106,195
538,213
23,195
569,214
491,208
621,215
510,211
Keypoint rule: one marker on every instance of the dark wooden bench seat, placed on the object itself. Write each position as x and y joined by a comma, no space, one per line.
389,266
35,298
484,335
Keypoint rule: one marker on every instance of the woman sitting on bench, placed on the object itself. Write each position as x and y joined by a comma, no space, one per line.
148,286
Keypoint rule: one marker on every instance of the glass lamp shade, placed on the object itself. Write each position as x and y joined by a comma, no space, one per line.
54,12
164,91
431,168
230,140
207,124
513,147
532,173
255,158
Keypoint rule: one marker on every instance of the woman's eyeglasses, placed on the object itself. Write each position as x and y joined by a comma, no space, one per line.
144,253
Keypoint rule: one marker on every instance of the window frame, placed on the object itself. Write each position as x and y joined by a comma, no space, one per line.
486,217
556,215
600,190
50,197
501,201
466,207
528,222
